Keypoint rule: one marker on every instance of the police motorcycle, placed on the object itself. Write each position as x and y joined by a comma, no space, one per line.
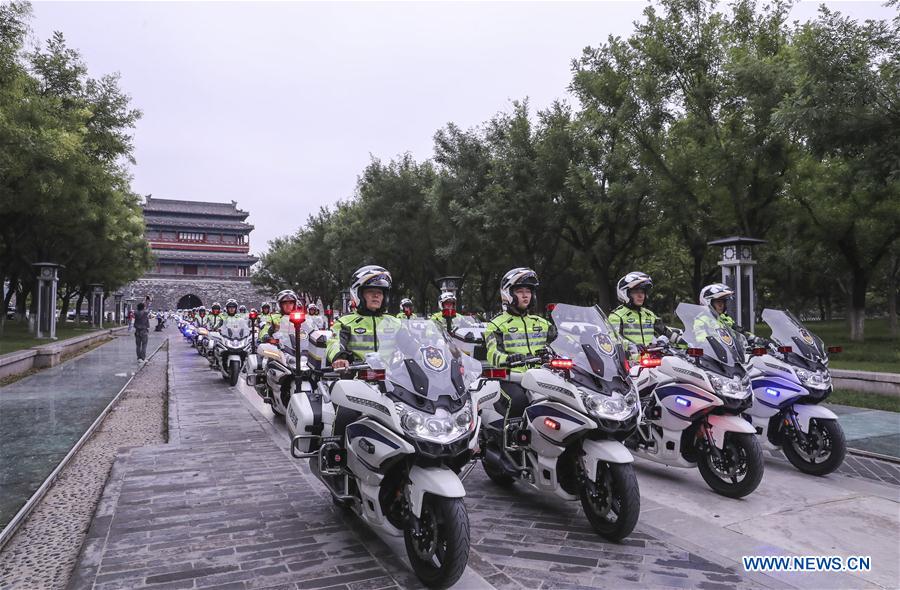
693,403
569,440
275,373
389,436
231,347
468,335
789,376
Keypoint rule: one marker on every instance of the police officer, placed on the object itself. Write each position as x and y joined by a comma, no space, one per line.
515,334
357,333
242,311
716,297
287,302
215,321
265,317
446,310
314,321
200,317
632,320
406,309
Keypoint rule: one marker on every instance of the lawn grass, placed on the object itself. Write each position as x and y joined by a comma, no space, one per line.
16,336
861,399
879,352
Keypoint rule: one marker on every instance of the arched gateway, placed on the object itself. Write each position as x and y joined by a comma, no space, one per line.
189,302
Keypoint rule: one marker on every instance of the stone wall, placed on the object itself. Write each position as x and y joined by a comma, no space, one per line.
165,293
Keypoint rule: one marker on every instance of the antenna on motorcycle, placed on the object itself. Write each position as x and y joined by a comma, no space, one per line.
253,314
329,312
550,307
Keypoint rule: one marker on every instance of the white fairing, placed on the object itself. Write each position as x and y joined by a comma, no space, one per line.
301,418
805,412
543,383
720,425
432,480
608,451
370,445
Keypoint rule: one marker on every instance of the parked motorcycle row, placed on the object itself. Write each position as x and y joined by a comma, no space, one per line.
394,437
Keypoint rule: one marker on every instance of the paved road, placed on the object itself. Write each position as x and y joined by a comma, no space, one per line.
44,415
223,505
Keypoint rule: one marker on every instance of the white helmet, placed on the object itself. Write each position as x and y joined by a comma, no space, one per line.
405,301
517,277
313,306
445,296
633,280
710,293
367,277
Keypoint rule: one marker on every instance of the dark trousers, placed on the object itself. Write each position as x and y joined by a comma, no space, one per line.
141,336
513,400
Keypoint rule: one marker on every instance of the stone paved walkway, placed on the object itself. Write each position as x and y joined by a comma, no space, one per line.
220,506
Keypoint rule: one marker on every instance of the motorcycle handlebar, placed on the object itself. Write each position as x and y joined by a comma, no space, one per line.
338,373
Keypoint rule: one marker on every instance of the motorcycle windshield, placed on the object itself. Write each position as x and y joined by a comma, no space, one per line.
419,358
585,336
787,330
235,328
468,329
703,330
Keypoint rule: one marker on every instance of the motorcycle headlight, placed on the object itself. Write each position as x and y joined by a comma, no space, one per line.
815,379
440,427
610,407
736,388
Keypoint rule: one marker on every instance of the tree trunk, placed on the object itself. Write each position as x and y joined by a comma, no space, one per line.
78,307
892,296
857,311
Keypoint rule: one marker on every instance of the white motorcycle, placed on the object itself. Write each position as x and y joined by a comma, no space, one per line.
388,438
790,377
582,405
693,402
232,347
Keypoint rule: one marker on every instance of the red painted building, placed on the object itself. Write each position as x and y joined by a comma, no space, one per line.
194,239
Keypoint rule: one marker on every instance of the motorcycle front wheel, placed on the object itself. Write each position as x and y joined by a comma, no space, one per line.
822,452
234,371
439,550
740,468
612,503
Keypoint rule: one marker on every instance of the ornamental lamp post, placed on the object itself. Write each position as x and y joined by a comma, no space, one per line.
737,272
44,325
117,298
96,305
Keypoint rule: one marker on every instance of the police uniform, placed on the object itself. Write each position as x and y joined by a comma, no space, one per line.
509,334
356,335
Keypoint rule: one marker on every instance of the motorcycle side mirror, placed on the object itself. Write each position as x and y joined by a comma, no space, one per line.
321,340
635,371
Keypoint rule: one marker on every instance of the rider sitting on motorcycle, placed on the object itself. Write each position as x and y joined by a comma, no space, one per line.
634,322
314,321
716,296
265,317
200,317
406,309
515,335
446,309
287,302
215,321
231,310
356,334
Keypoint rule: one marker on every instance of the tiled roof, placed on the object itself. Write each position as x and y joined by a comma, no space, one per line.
156,221
154,205
181,255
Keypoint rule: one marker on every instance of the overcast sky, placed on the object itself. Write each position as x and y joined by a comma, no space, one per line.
280,106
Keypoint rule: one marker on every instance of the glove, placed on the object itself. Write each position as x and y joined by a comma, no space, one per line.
660,341
512,359
542,352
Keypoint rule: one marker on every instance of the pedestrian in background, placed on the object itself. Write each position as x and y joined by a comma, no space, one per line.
130,320
141,332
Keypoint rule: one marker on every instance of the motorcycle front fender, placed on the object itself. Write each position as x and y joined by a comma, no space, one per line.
608,451
432,480
805,412
719,425
233,357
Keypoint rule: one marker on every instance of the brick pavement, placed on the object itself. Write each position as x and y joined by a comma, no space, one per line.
222,506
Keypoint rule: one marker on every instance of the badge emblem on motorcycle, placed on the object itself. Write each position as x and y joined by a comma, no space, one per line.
360,330
725,335
433,357
606,345
807,337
